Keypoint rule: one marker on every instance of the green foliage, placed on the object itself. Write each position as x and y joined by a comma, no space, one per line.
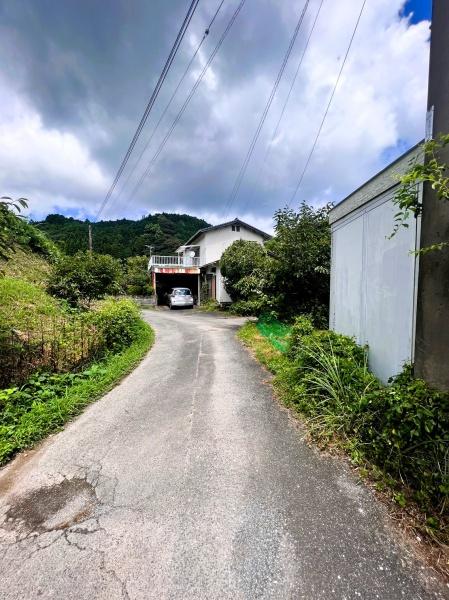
209,305
24,305
86,276
46,401
244,265
9,222
16,232
248,308
300,260
425,169
408,435
123,238
136,278
401,430
118,322
39,332
24,264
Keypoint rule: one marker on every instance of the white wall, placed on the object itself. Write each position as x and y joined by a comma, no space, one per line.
373,283
214,243
222,294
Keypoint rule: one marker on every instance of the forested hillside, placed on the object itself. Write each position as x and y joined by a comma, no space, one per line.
123,238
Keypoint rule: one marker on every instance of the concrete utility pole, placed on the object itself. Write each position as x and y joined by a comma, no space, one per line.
432,324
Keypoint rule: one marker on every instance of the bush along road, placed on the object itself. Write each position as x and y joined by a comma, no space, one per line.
188,480
100,347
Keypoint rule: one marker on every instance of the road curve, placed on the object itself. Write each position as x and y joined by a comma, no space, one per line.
188,481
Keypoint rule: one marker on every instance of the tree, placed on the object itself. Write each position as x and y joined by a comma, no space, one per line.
245,266
136,278
84,277
9,223
300,253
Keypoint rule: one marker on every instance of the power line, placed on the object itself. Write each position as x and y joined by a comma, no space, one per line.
189,97
252,145
276,129
328,105
172,97
151,101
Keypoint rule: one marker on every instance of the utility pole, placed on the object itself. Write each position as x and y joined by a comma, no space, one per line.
90,238
432,322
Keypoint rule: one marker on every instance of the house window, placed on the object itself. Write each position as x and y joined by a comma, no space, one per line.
236,228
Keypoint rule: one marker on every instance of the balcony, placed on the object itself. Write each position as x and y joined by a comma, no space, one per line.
174,261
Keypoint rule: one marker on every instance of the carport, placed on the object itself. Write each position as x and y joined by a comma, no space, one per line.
164,282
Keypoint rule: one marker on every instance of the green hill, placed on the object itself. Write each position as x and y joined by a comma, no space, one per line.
123,238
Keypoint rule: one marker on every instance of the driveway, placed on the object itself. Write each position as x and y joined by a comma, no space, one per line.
188,481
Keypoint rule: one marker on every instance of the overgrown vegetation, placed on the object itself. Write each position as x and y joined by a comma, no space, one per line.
84,277
290,275
136,280
58,351
426,169
37,332
47,400
123,238
16,232
400,432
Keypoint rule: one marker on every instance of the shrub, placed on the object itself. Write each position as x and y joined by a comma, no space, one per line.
118,322
248,308
16,231
244,265
408,435
402,428
136,280
84,277
300,261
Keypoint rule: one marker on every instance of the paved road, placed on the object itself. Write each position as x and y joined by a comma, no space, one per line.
188,481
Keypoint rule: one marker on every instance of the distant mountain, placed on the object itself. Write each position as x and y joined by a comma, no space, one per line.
123,238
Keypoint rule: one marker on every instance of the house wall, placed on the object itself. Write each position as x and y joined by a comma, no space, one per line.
214,243
222,294
373,281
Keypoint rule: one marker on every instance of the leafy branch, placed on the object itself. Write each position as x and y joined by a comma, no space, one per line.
8,222
425,169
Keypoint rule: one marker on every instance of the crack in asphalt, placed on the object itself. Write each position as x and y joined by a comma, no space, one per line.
188,481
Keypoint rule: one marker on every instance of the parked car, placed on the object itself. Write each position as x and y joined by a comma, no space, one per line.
180,297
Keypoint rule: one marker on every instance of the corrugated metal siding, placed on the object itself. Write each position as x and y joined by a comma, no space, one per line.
373,284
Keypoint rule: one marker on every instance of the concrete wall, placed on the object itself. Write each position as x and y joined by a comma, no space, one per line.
373,279
432,329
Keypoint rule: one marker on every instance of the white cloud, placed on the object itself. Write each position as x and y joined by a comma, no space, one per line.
51,168
379,106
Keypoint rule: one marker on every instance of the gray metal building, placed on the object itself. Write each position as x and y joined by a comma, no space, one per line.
374,278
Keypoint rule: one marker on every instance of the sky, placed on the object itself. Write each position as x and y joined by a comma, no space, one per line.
75,77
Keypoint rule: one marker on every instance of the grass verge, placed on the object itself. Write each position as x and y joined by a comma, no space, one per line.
428,528
59,397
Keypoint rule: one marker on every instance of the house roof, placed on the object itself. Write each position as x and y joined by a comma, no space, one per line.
223,225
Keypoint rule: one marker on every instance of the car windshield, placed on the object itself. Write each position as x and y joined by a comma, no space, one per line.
182,292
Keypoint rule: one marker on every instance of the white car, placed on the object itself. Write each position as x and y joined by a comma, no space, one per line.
180,298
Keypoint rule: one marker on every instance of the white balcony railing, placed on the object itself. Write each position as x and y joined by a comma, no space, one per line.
174,261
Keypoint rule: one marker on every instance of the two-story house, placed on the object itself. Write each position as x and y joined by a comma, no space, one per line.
197,263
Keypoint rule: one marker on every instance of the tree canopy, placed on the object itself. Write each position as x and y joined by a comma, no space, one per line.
300,253
123,238
84,277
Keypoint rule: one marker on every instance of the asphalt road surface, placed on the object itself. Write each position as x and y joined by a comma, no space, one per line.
189,481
